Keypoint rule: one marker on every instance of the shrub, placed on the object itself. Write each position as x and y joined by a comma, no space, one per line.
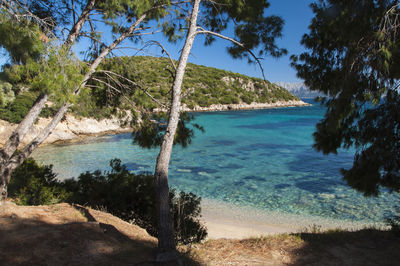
229,99
33,184
6,93
126,195
247,98
132,198
186,213
15,111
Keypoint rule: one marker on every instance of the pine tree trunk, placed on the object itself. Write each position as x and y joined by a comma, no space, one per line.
5,177
166,242
16,137
7,165
19,133
14,140
76,29
19,158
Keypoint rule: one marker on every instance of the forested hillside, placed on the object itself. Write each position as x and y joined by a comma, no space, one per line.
149,86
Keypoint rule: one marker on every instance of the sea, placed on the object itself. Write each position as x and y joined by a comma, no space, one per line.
260,159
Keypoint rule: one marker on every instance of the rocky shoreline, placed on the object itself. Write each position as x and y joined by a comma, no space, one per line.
73,129
240,106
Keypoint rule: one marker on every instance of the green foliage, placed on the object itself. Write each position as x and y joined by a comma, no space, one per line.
126,195
7,95
353,57
33,184
56,72
87,105
21,39
15,111
132,198
149,133
186,211
251,26
377,131
202,85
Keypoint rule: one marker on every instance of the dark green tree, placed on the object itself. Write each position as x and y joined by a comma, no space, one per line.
354,58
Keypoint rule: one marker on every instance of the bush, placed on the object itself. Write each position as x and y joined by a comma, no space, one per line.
126,195
15,111
6,93
33,184
247,98
186,212
132,198
229,99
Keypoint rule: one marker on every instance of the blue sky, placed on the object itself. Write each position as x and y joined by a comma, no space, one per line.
297,16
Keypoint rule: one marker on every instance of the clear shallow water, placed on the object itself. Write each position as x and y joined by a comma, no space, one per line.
262,159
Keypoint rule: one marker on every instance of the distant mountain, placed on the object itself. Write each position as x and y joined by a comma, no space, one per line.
299,89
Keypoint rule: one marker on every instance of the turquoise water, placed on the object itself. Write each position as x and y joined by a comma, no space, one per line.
260,158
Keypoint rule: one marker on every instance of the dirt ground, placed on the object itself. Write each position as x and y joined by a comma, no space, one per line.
64,234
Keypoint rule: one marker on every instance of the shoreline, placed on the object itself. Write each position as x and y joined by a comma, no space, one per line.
231,221
74,129
241,106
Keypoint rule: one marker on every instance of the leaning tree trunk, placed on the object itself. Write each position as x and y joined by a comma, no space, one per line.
16,137
14,140
166,242
27,123
18,159
8,165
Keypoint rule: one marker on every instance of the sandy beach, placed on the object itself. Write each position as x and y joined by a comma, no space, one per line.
225,220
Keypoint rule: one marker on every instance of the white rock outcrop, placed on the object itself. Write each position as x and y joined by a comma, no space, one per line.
240,106
71,128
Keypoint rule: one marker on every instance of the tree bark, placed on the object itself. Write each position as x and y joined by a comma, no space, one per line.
7,166
166,242
15,139
20,157
19,133
26,124
76,29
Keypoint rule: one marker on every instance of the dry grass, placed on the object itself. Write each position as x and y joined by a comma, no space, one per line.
333,247
270,250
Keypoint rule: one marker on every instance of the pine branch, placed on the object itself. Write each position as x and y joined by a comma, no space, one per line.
203,31
107,72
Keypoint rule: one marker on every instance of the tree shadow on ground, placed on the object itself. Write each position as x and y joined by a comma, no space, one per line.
365,247
337,247
61,235
29,241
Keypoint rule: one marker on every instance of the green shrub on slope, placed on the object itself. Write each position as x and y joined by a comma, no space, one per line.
126,195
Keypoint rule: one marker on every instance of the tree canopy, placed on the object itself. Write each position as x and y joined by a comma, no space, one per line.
50,68
354,58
